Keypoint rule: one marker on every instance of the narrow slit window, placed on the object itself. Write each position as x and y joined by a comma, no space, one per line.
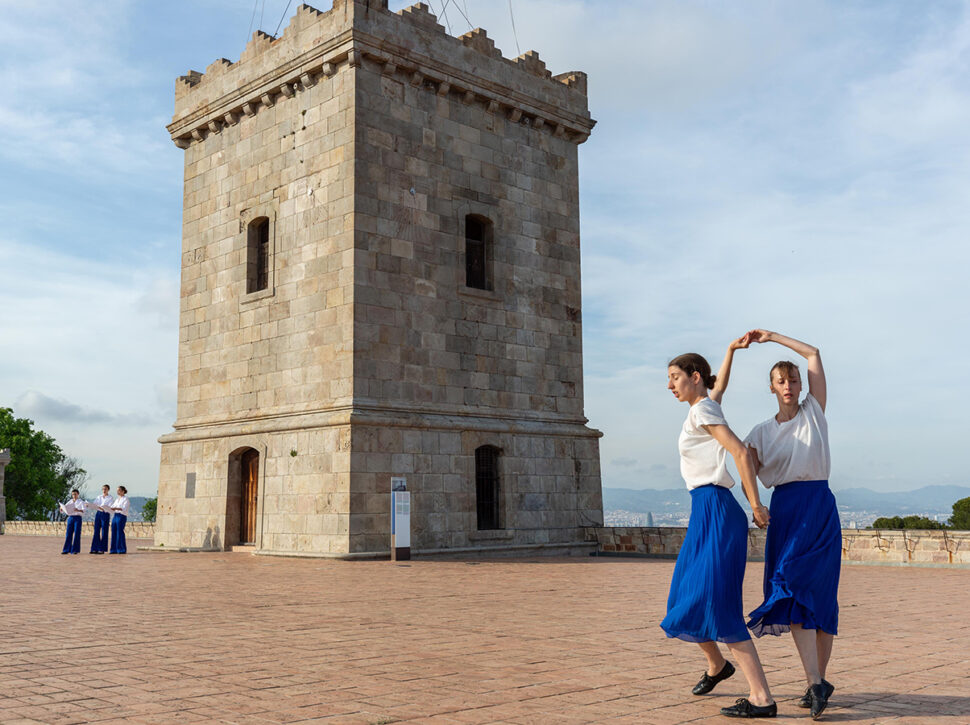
257,257
478,252
487,487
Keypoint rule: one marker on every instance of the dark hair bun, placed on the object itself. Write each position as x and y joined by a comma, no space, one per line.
690,363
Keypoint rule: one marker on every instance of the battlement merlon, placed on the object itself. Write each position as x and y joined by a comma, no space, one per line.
355,32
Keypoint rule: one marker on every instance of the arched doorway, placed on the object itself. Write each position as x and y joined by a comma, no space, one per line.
242,496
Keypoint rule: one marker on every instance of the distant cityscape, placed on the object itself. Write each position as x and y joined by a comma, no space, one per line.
849,519
858,507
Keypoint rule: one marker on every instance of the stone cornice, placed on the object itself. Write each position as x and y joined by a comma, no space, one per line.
516,105
298,74
384,416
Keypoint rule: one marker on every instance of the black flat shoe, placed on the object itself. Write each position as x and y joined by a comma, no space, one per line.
806,700
743,708
707,682
819,697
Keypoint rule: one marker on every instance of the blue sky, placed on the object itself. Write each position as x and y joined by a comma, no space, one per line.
794,166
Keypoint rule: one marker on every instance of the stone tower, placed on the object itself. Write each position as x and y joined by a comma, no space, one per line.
380,277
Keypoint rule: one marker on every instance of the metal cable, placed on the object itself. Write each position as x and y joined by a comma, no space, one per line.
515,35
444,14
252,20
464,14
282,17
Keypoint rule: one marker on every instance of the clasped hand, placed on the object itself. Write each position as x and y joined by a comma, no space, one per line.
744,342
760,516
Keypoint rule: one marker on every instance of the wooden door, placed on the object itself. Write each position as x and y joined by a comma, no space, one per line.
250,480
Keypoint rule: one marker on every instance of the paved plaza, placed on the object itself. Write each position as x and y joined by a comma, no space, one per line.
233,638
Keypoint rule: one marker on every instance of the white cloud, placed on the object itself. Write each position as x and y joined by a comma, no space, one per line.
73,92
37,406
77,315
923,101
100,341
63,140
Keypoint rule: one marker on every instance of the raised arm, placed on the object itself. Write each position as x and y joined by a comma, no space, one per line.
724,374
743,460
816,373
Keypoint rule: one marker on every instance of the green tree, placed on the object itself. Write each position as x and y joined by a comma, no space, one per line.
921,522
149,509
888,522
906,522
39,475
961,515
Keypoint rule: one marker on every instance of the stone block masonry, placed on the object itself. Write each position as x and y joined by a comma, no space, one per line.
858,545
133,529
656,541
330,336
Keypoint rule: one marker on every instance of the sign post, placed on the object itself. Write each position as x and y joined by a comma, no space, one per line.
400,520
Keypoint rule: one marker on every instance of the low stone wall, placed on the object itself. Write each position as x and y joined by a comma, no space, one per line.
133,529
882,546
906,546
659,541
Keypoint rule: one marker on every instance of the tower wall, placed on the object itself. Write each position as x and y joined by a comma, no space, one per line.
366,137
441,368
273,369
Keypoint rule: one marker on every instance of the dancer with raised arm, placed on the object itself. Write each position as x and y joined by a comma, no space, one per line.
704,605
803,551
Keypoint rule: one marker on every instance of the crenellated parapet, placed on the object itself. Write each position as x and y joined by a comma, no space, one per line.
410,43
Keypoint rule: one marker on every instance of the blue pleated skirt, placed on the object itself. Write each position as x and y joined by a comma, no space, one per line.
704,604
803,557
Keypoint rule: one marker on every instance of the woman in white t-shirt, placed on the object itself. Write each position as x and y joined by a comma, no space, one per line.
704,604
74,509
803,550
120,507
102,522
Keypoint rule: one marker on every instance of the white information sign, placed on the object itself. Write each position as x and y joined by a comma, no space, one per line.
401,519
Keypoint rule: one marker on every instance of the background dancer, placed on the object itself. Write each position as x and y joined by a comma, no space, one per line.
102,522
74,510
120,507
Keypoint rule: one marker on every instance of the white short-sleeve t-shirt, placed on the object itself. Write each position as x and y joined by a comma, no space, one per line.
702,459
796,450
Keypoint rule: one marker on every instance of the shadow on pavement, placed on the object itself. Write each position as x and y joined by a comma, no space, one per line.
867,705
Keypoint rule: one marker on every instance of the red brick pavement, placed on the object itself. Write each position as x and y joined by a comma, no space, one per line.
233,638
